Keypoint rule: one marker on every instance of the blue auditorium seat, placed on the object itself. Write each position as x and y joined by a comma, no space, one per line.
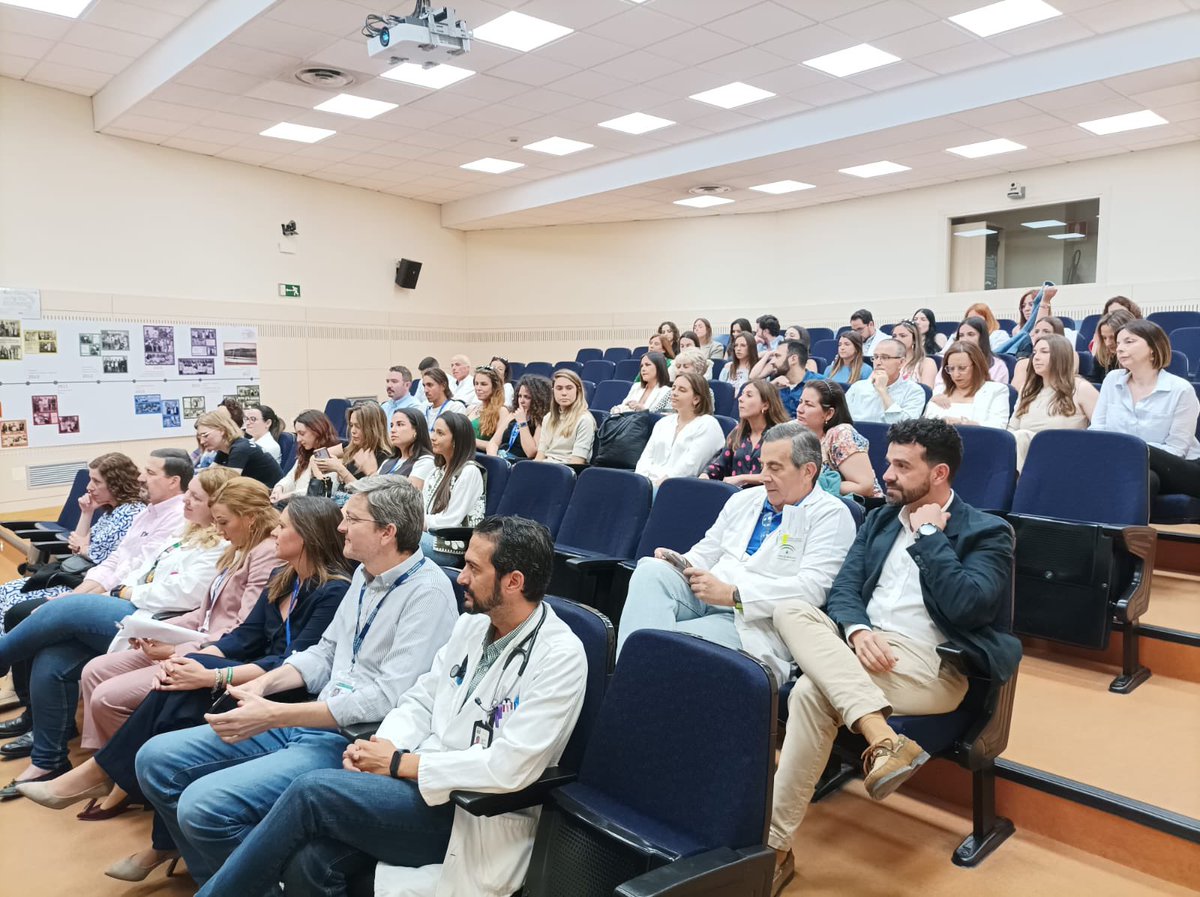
598,370
728,424
569,366
1174,320
988,475
1186,340
583,356
616,354
609,393
724,398
287,450
815,334
539,492
628,369
540,368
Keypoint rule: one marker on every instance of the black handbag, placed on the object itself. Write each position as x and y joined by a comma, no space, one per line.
622,438
69,572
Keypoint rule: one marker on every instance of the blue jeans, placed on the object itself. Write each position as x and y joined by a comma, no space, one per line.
327,827
211,795
61,637
659,598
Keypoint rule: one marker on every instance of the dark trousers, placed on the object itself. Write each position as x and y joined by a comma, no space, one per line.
1169,475
20,668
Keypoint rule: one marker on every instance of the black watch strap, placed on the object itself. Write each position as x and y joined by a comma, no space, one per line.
394,770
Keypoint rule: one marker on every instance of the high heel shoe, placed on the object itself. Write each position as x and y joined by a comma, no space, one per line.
43,793
128,870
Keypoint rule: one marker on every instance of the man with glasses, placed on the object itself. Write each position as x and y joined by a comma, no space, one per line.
862,322
885,398
212,784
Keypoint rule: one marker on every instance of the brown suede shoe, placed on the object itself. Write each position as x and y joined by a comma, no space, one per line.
887,765
784,873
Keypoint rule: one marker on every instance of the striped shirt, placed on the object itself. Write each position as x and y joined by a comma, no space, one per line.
413,623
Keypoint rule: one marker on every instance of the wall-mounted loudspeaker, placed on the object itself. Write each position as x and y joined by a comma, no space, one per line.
407,273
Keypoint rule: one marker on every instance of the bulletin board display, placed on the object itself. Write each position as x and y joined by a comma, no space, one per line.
75,382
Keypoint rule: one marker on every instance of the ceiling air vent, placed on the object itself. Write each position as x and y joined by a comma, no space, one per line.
323,76
709,190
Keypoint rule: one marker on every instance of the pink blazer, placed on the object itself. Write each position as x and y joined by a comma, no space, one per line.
236,596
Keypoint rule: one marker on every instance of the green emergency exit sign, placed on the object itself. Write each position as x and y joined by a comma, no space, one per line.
290,290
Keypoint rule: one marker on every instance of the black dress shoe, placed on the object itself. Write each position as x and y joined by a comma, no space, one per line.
17,748
9,792
18,725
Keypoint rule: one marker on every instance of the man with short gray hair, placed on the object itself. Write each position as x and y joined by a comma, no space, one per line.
779,542
884,397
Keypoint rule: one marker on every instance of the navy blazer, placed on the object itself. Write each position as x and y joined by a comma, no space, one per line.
966,580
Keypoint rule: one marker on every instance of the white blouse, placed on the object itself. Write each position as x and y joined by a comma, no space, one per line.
682,454
988,407
267,443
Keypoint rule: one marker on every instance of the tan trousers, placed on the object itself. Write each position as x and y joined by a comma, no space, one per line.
835,690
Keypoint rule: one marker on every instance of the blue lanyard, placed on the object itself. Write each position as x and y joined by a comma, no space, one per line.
360,635
514,435
440,412
287,624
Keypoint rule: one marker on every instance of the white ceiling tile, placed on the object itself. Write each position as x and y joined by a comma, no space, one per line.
446,102
149,125
1123,14
532,70
288,94
545,101
193,145
763,20
242,124
589,85
807,43
697,44
247,155
374,160
955,59
280,37
88,58
466,127
1085,94
503,114
127,16
294,164
140,136
744,65
251,61
641,26
349,54
111,40
69,77
36,24
199,97
1040,36
1167,96
928,38
889,76
698,12
330,16
833,91
171,111
583,50
207,134
219,80
15,66
487,87
265,110
639,66
880,20
26,45
405,117
181,8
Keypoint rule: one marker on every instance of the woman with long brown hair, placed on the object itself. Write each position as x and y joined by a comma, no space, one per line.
485,416
1054,396
844,450
455,493
850,365
315,437
968,397
369,445
738,463
743,358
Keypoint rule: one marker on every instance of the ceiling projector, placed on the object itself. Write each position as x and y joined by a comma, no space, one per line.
434,31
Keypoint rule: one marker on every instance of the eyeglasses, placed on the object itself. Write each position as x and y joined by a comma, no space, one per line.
350,518
879,357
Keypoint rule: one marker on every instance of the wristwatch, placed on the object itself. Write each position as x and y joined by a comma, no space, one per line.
737,600
394,769
926,529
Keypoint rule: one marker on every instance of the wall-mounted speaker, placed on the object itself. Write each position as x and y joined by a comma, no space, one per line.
407,273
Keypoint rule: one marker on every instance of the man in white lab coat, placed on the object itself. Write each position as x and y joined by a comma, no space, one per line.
495,710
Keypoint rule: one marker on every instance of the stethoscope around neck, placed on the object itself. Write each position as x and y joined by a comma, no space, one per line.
524,647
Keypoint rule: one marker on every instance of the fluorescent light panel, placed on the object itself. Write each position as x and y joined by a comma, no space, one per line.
636,123
874,169
777,187
730,96
1006,15
1130,121
435,77
518,31
852,60
285,130
1045,222
703,202
986,148
1067,236
558,146
977,232
492,166
69,8
358,107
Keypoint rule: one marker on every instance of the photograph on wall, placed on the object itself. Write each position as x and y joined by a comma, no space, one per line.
151,404
249,395
89,344
10,350
193,407
192,367
45,410
10,329
116,364
170,413
158,343
241,353
114,340
204,341
13,434
225,399
41,342
68,423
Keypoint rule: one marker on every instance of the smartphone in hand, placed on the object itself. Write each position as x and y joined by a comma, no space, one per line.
321,453
674,558
224,704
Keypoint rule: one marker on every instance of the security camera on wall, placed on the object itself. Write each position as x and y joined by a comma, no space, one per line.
407,273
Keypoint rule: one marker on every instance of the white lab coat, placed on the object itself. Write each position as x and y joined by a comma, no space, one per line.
486,857
802,566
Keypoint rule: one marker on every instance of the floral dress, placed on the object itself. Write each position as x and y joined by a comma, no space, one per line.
105,536
729,462
839,444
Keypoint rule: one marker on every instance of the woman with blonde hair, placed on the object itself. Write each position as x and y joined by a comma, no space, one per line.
568,429
217,432
369,446
917,365
485,415
849,366
1054,396
968,397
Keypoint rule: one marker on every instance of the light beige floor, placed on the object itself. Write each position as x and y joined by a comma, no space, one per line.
1174,602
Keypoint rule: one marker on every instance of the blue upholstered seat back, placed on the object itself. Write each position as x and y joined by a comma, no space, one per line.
596,633
540,492
1087,476
683,511
607,512
988,474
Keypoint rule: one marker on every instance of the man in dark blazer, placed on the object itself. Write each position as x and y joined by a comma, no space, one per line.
926,569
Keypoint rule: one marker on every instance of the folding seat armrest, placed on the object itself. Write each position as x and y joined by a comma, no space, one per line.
987,737
359,731
1142,543
50,550
955,656
479,803
453,533
594,565
722,872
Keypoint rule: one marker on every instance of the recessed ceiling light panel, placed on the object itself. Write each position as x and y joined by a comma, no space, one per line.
852,60
874,169
730,96
489,165
703,202
69,8
435,77
558,146
285,130
1130,121
1045,222
1006,15
358,107
636,123
518,31
986,148
1071,236
783,187
974,232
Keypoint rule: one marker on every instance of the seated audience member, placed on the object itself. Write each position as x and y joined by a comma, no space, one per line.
438,398
423,365
500,366
315,435
290,615
926,322
692,359
463,386
1048,326
1104,343
917,366
568,429
402,779
688,340
413,458
795,331
996,336
656,344
1025,306
516,437
202,457
862,322
850,365
1145,400
787,366
262,427
398,384
823,410
771,545
1122,302
456,492
1054,397
885,398
68,630
702,327
369,446
668,333
967,396
739,462
681,443
766,333
650,392
926,569
743,358
739,325
973,330
485,415
212,784
218,433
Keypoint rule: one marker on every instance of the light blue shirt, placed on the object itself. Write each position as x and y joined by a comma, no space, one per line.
908,401
1165,419
391,406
